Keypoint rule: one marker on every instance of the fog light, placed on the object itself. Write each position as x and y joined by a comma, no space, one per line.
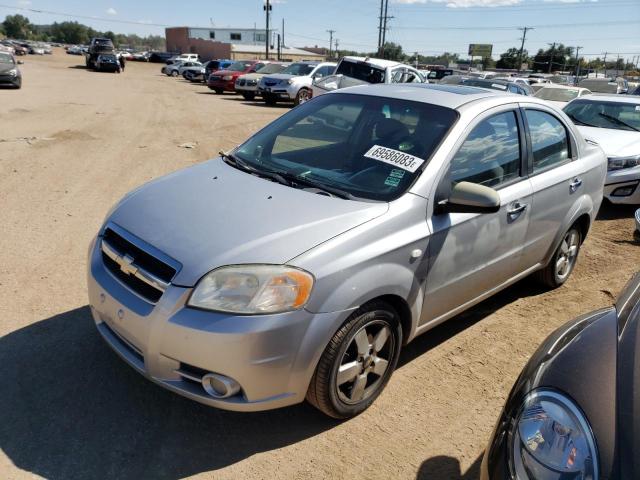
624,191
219,386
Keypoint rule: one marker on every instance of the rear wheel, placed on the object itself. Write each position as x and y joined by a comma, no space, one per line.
358,362
219,91
563,261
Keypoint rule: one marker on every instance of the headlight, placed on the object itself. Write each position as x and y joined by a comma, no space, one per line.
290,81
226,78
13,72
253,289
617,163
552,439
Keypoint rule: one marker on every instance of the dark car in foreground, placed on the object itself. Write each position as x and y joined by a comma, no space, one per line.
107,63
9,72
574,412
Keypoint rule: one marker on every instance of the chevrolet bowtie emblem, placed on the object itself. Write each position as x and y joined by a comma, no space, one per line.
126,264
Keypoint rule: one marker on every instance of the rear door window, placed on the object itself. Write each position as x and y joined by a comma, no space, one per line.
549,140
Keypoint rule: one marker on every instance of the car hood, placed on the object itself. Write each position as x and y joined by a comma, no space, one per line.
615,143
5,67
253,76
282,76
226,72
212,215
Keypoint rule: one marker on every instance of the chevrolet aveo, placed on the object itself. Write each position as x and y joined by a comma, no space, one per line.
298,264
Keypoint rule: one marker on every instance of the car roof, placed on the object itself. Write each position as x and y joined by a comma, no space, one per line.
450,96
378,62
612,97
549,86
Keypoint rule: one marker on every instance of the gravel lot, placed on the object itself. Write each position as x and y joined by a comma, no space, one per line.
71,143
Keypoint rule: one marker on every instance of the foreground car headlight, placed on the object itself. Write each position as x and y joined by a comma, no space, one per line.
13,72
552,439
226,78
253,289
617,163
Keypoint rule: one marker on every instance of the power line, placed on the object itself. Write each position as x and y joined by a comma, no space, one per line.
557,25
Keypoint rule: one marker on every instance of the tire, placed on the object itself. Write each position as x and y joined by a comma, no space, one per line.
354,345
269,99
564,259
249,96
174,73
303,95
219,91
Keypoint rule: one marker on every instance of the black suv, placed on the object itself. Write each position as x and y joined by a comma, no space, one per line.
97,47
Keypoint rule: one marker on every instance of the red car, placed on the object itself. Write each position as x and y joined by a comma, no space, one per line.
225,80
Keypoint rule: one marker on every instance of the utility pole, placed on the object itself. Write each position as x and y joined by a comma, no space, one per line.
380,26
279,47
267,11
605,65
617,62
335,44
330,32
416,53
524,37
577,64
283,33
384,28
553,49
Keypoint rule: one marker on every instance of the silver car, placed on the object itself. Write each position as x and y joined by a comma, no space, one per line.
299,264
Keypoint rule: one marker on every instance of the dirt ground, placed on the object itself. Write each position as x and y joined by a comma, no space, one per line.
71,143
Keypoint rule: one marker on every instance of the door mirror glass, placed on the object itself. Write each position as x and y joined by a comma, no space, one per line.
20,62
467,197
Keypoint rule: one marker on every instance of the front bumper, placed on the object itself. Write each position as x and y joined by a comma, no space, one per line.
10,80
272,357
621,179
281,92
226,85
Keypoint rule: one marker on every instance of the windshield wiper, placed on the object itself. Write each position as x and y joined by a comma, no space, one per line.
618,121
236,162
581,122
334,191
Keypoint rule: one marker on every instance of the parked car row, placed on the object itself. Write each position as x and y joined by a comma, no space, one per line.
10,74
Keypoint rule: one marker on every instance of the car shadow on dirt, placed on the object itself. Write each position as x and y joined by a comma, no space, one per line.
610,211
73,410
443,467
527,287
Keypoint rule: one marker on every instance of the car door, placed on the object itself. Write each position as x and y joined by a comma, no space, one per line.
470,255
556,174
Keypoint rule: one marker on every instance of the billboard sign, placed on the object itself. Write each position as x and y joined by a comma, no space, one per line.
480,50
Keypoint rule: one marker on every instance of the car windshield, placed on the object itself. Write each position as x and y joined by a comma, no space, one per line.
361,71
271,68
603,114
557,94
367,146
6,58
299,69
239,66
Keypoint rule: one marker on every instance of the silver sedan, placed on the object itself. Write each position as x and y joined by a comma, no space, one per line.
299,264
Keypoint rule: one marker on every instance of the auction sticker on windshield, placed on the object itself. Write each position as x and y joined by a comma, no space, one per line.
395,158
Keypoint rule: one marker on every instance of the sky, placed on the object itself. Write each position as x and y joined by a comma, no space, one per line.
424,26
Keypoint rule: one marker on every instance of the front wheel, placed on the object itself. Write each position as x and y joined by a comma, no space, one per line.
304,95
269,99
174,73
249,96
358,362
563,261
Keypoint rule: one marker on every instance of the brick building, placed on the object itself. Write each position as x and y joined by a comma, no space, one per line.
231,43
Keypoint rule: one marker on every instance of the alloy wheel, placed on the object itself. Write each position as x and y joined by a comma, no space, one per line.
365,362
567,254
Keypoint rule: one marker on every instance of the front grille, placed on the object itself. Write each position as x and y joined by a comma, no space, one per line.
140,271
241,82
251,83
270,83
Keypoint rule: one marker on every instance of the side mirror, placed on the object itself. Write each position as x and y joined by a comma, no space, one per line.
20,62
318,76
467,197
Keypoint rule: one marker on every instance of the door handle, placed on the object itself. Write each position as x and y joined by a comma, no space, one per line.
516,210
573,186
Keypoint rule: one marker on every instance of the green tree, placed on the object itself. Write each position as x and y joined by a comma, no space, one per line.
17,26
559,56
393,51
511,58
70,32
